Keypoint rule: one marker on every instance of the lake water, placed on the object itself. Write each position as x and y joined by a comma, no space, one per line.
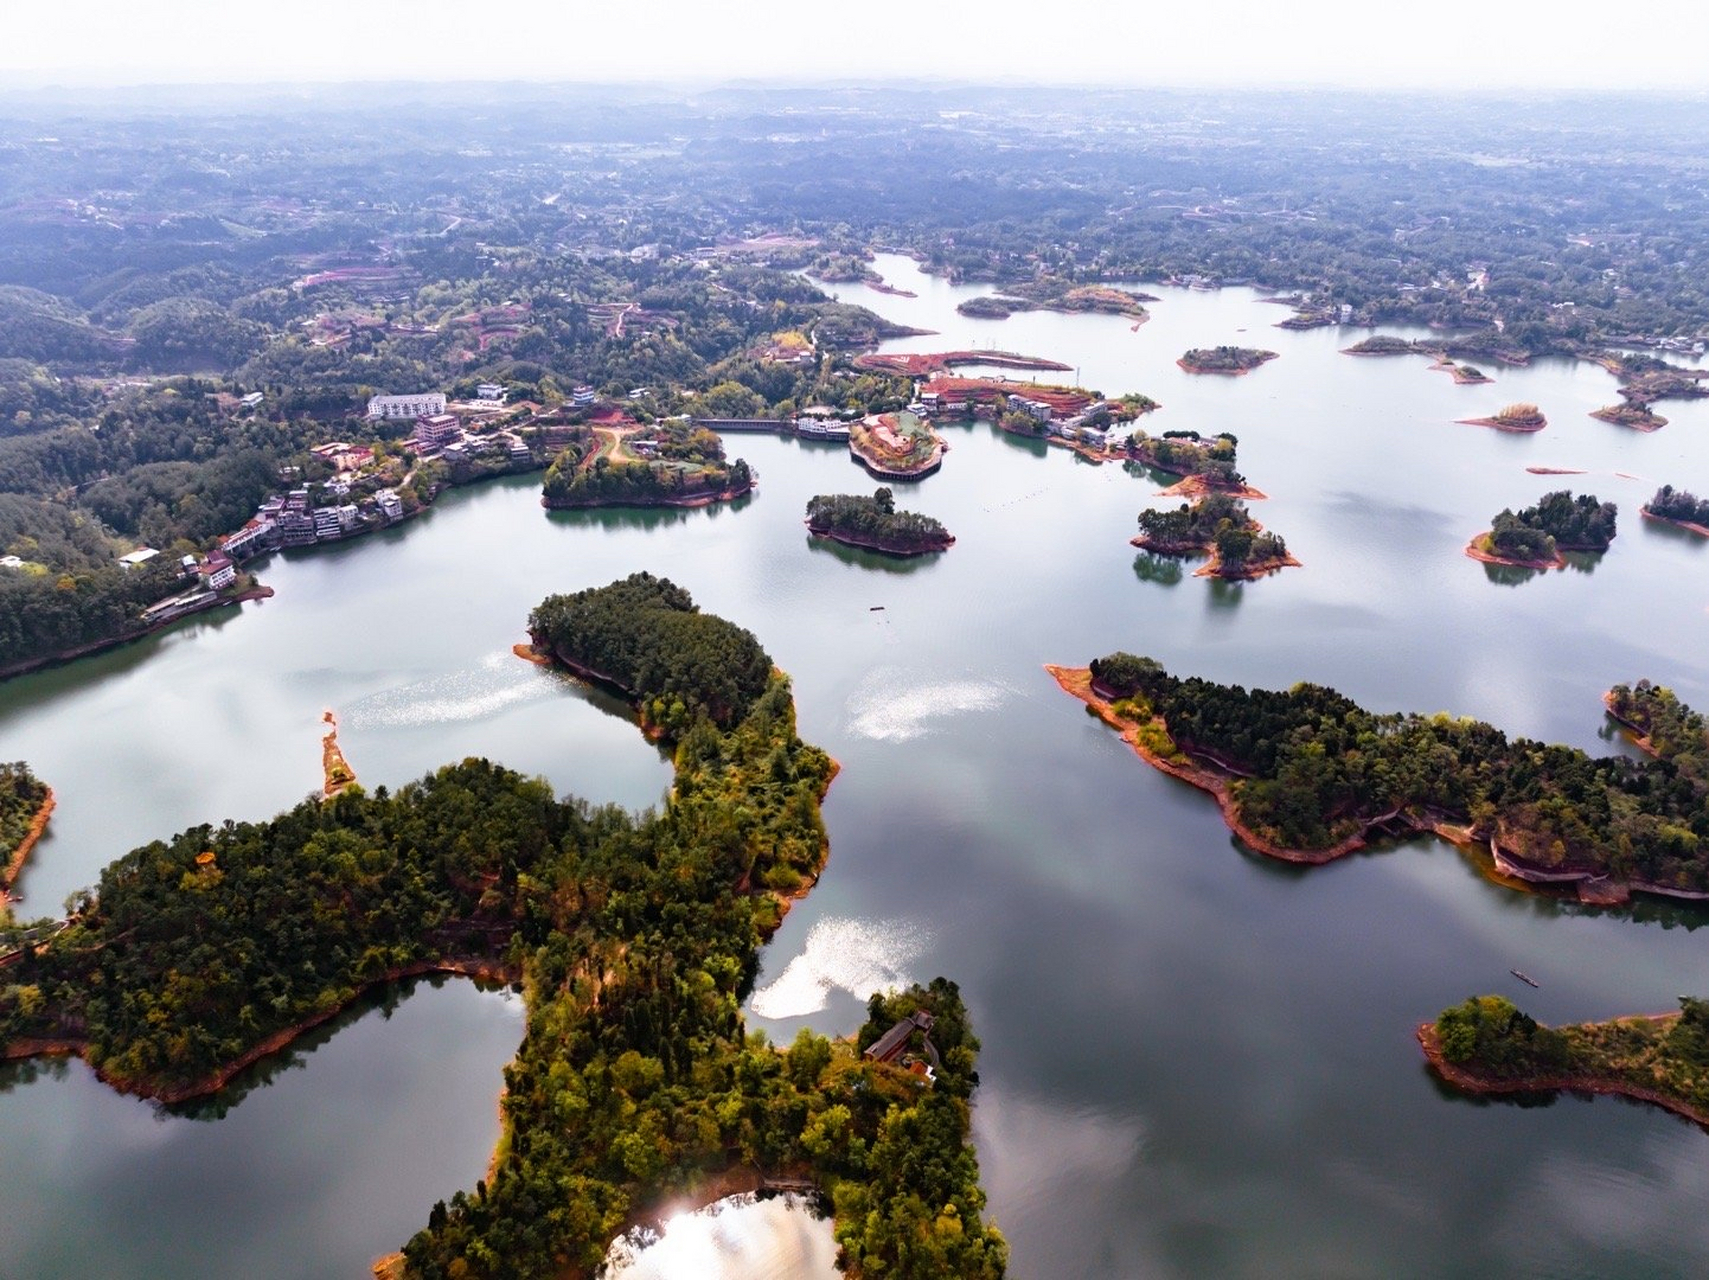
1196,1062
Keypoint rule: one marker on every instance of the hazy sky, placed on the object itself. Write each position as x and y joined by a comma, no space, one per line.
1633,45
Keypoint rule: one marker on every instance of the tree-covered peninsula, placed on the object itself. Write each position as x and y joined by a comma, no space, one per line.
1205,464
669,464
1680,507
1224,359
1535,536
1487,1046
1307,775
1220,526
634,939
25,805
875,523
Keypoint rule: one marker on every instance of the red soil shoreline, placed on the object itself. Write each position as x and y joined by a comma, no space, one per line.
1199,487
1699,529
1557,471
483,969
1622,415
1478,553
1517,426
1471,1082
15,864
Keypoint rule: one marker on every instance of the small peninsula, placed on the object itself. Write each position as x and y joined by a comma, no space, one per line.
876,524
1306,775
1464,375
1535,537
26,804
1205,465
1678,507
1487,1046
896,446
669,464
1518,417
1049,294
1217,525
638,1088
1233,361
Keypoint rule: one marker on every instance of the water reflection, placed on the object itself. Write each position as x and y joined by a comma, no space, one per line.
1167,571
740,1238
865,558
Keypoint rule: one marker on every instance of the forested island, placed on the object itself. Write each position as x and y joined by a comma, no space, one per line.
1306,775
634,939
1680,507
26,803
1046,294
670,464
1217,525
1534,537
1229,360
1487,1046
1639,417
1520,417
876,524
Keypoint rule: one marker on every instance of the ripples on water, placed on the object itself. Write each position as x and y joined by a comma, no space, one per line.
741,1238
886,708
500,680
856,956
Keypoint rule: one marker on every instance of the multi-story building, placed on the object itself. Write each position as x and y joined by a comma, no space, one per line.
582,396
421,404
296,529
218,571
255,537
435,431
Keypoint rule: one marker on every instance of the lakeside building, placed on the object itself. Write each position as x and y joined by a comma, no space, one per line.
218,571
420,404
435,431
391,506
141,556
256,536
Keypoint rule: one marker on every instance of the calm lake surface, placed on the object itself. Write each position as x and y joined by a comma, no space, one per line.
1195,1062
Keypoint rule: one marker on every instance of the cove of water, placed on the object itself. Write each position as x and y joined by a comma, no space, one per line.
1196,1062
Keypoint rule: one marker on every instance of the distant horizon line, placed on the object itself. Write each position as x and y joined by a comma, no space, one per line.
45,84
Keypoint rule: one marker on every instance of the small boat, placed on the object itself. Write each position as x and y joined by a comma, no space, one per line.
1525,978
875,608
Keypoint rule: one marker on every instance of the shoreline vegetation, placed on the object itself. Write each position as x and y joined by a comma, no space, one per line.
335,768
1680,508
1535,537
1219,526
1283,770
1058,295
1205,465
1486,1046
26,805
1231,361
674,464
921,364
1522,418
874,523
632,937
1639,417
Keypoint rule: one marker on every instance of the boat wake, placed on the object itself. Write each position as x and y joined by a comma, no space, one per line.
496,682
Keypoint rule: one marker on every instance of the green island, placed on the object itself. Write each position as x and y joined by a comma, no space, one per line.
1224,359
1217,525
636,1087
1204,465
896,446
1464,375
1640,417
1520,416
26,804
668,464
876,524
1680,507
1053,294
1487,1046
1535,537
1305,775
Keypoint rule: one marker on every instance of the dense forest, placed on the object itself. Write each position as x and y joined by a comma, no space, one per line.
22,795
675,462
645,636
1309,768
1558,522
635,938
1487,1042
875,522
1680,505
